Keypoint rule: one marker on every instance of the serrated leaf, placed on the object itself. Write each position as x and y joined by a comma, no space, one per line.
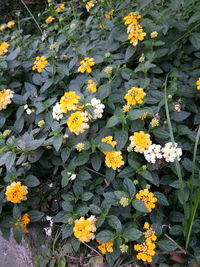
17,233
115,223
105,236
139,205
31,181
121,137
132,233
167,245
162,200
112,121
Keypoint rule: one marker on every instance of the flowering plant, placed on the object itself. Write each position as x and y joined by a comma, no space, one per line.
99,115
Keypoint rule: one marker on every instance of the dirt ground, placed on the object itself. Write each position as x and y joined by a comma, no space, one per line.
14,255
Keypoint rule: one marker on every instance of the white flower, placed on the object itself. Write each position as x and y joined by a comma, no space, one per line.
72,177
57,112
28,111
153,153
48,231
98,108
65,136
171,152
50,185
25,106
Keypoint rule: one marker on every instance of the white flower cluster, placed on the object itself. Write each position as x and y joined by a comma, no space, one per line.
98,108
171,152
48,230
57,112
72,176
153,153
168,152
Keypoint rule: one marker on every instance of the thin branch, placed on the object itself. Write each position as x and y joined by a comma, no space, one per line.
172,240
170,253
92,249
87,168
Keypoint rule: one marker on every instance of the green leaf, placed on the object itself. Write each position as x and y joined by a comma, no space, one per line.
90,110
65,178
81,159
137,113
129,52
96,162
17,233
84,175
162,200
195,40
87,196
167,245
35,215
13,54
95,209
132,233
121,137
129,185
112,121
16,212
146,175
31,181
105,147
57,142
139,205
105,236
61,262
103,91
115,223
180,116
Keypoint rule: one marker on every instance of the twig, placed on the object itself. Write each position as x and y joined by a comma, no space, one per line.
87,168
170,253
172,240
92,249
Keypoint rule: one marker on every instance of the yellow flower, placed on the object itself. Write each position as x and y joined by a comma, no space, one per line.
126,108
5,98
68,101
134,29
80,147
3,27
23,221
154,34
146,225
124,201
147,251
89,5
40,63
123,248
77,122
198,84
140,141
135,96
147,198
109,140
92,86
105,247
114,159
49,19
144,116
10,24
84,229
154,122
150,235
4,48
15,192
86,65
109,14
60,8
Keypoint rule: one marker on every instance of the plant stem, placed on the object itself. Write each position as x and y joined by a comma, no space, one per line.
32,16
178,169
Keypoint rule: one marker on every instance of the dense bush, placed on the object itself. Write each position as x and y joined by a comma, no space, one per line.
99,130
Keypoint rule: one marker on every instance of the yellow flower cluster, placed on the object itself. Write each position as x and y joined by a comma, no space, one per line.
60,8
143,117
134,96
15,192
5,98
89,5
198,84
140,141
147,198
49,19
77,122
86,65
4,48
135,30
39,63
23,221
109,14
68,101
147,249
109,140
84,229
105,247
113,158
9,25
92,86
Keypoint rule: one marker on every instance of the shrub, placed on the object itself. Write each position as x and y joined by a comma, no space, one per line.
99,117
